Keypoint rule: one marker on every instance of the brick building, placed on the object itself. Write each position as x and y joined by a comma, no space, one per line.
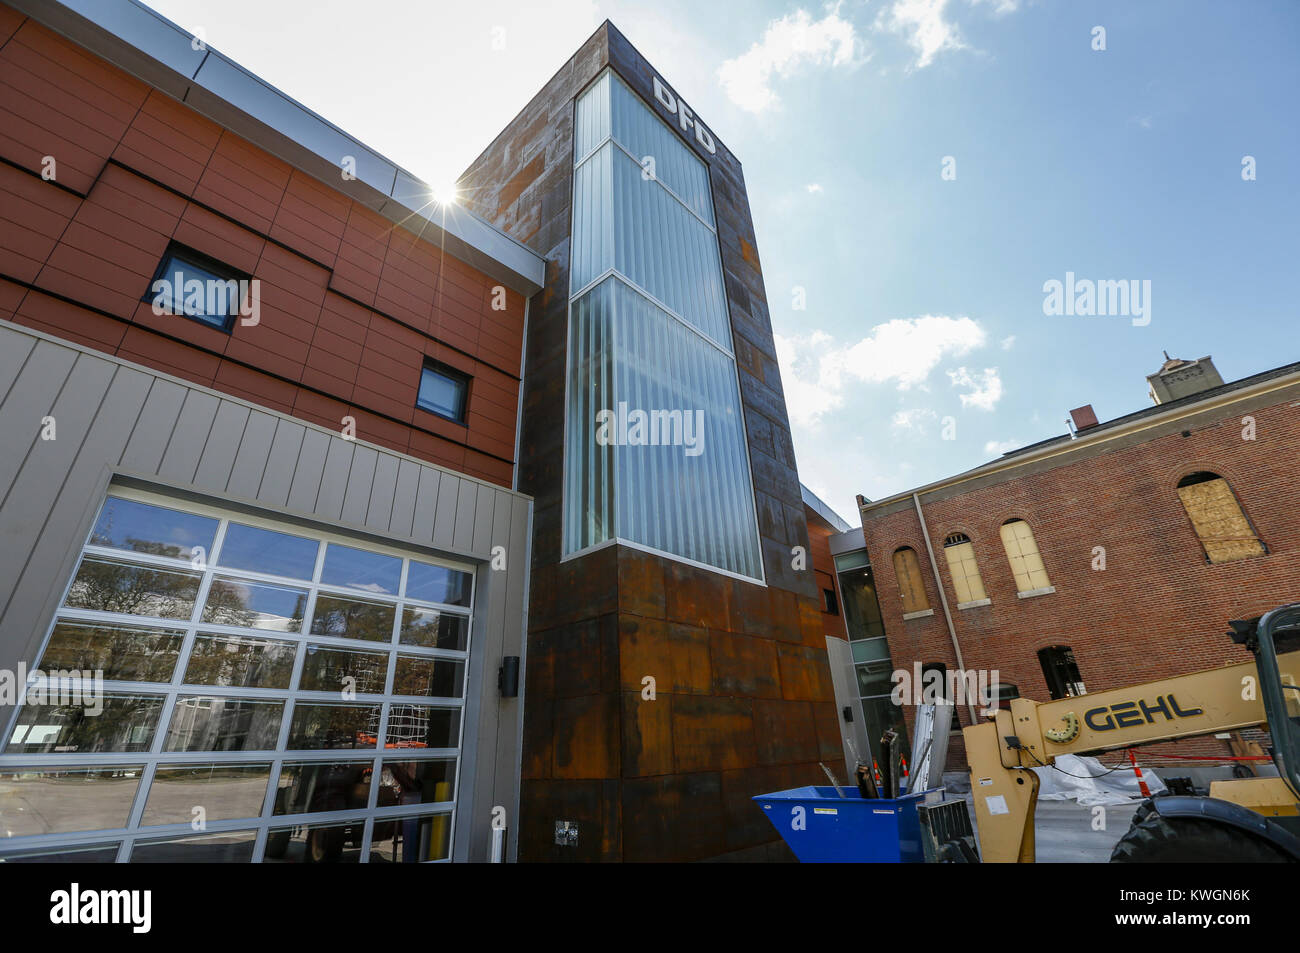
366,451
1111,555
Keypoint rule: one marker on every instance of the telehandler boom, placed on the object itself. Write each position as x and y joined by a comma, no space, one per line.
1254,819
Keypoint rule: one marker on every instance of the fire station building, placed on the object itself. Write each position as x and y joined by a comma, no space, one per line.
383,529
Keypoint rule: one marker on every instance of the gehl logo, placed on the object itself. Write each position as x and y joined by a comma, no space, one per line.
1133,714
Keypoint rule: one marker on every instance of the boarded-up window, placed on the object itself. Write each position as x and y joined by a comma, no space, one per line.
908,570
1022,552
965,573
1217,518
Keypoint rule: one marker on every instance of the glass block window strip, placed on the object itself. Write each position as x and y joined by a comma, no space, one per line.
649,334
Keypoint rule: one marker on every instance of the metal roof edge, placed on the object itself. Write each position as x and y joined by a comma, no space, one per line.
822,509
1223,395
150,47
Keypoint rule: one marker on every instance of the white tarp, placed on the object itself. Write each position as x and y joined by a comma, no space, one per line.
1086,781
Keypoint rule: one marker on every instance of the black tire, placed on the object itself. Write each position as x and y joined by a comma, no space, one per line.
324,846
1182,840
277,842
1143,811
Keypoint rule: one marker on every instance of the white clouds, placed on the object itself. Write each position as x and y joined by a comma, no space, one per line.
794,40
926,28
806,397
1000,7
985,388
1007,342
814,188
995,448
913,418
816,372
923,26
905,350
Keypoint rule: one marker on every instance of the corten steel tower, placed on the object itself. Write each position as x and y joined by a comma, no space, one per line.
670,541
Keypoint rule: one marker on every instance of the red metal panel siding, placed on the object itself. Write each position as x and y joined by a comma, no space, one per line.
350,305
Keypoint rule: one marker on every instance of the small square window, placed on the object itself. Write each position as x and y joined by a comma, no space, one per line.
190,284
443,392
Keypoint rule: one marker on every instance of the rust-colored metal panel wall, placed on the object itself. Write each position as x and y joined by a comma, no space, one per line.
743,700
350,304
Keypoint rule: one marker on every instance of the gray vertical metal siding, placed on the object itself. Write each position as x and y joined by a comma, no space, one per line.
117,419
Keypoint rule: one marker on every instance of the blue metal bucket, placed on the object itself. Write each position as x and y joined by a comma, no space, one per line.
823,828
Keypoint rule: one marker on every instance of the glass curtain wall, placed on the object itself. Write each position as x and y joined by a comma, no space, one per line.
655,442
871,660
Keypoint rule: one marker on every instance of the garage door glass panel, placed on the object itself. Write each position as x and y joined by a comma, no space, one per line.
53,801
109,585
358,569
433,629
438,584
350,619
419,726
228,847
205,723
422,675
418,782
411,840
337,670
334,726
226,792
156,530
316,844
99,854
121,723
267,551
313,786
254,605
239,661
120,652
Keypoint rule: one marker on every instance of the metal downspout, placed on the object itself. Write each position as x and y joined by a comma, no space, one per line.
943,599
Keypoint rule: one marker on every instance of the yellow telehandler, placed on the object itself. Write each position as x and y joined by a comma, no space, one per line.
1245,820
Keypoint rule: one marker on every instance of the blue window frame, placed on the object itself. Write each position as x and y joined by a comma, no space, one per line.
195,286
444,392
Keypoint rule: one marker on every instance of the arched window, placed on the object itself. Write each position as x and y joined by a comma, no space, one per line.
1022,553
908,570
965,573
1061,672
1224,530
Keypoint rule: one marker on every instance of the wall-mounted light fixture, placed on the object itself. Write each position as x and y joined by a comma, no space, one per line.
508,677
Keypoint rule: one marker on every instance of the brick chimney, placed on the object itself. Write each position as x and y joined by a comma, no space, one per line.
1083,417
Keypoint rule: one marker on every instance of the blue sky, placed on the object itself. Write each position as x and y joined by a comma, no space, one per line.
923,295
